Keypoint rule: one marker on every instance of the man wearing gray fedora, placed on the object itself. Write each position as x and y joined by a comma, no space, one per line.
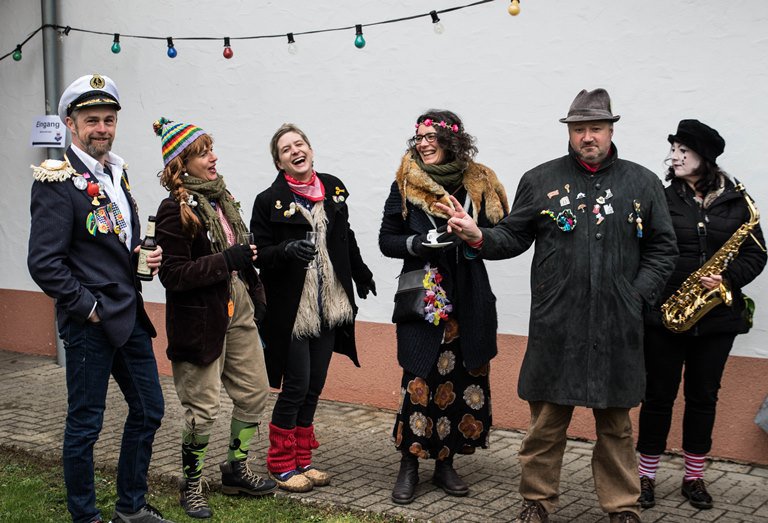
604,249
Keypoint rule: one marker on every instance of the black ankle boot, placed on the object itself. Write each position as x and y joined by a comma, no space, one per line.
447,479
407,479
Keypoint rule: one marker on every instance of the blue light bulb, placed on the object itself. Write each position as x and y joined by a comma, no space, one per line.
171,50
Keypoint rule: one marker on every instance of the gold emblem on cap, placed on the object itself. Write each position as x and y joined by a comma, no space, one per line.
97,82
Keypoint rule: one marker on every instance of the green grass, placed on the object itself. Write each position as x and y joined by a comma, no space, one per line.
33,490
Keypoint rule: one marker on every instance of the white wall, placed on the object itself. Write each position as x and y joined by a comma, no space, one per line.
509,78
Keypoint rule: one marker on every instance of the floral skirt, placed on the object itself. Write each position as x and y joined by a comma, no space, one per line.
449,412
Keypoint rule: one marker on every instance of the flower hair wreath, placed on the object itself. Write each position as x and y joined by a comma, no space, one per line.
429,122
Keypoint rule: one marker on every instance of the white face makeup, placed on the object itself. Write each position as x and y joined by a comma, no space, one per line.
684,162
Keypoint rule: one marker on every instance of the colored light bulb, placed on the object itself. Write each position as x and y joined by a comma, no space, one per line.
359,40
514,8
17,54
228,52
171,50
116,44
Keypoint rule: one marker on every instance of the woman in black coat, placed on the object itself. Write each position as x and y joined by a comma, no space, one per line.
706,211
446,354
310,304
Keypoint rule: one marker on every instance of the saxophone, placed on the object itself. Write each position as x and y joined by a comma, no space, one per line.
692,300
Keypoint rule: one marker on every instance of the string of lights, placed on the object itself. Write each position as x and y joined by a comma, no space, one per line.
172,52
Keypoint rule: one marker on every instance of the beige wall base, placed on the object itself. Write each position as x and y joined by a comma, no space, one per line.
27,325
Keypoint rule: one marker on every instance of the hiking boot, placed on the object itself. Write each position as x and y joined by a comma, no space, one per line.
448,479
647,497
147,514
533,512
238,478
292,481
696,493
624,517
192,498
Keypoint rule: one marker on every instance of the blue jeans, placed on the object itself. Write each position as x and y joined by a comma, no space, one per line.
90,361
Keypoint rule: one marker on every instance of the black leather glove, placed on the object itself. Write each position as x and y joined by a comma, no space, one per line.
301,250
364,289
425,252
444,236
238,257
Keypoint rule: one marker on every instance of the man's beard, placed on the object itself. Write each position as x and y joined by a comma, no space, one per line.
95,151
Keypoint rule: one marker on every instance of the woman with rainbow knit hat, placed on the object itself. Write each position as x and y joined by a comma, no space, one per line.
214,303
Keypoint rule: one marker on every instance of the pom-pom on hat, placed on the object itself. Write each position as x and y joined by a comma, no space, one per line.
700,137
176,136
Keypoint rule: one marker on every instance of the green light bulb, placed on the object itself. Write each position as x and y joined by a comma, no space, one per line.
116,47
17,55
359,40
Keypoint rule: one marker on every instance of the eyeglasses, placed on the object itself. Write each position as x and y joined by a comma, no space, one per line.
429,137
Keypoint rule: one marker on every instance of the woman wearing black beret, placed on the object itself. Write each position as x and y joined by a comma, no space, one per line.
707,208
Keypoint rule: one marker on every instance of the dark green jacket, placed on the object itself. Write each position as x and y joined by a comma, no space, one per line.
589,285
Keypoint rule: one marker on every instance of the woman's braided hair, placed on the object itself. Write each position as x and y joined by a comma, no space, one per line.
171,179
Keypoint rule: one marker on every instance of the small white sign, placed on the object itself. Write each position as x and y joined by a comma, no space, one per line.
48,131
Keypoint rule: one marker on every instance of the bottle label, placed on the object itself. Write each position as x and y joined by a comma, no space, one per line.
143,268
151,228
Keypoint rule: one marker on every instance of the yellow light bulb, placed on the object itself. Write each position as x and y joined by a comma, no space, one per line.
514,8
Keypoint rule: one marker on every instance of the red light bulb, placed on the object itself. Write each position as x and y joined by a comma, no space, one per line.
228,53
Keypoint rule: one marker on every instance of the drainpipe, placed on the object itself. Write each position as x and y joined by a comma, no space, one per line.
52,79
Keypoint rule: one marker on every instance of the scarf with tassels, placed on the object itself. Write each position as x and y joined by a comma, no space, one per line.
205,191
449,175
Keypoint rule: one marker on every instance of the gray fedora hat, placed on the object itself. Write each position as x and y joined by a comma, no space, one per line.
589,106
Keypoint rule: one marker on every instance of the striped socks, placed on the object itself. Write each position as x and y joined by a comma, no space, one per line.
648,465
694,465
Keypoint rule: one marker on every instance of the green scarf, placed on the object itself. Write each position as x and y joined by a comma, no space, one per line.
449,175
205,191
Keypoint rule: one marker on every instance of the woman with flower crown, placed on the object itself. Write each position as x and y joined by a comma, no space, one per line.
445,406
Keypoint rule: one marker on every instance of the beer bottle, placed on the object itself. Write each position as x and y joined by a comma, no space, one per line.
148,244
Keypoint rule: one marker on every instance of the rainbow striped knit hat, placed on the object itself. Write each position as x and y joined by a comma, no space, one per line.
176,137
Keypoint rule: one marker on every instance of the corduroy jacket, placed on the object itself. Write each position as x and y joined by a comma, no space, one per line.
197,289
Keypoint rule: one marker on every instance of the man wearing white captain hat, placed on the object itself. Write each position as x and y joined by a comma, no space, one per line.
83,247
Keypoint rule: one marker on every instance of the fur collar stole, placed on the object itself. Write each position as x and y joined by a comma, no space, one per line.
422,191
